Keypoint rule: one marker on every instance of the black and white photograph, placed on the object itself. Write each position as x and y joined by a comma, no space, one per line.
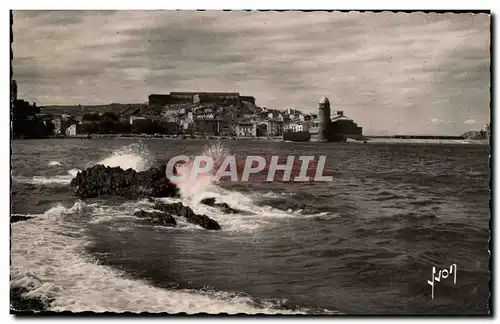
223,162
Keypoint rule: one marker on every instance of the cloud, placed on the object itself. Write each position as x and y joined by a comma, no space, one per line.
470,121
388,71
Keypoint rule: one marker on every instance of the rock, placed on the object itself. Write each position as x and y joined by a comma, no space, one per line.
225,208
164,219
186,212
20,303
300,207
208,201
100,180
19,218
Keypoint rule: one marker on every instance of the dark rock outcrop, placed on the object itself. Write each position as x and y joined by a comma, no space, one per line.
225,208
164,219
100,180
208,201
19,218
19,303
186,212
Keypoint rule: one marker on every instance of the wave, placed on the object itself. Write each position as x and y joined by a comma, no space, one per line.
473,173
51,180
252,217
194,187
54,163
49,256
48,260
136,156
271,194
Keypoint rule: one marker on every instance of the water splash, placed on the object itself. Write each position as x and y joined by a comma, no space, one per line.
54,163
136,156
217,152
196,188
74,172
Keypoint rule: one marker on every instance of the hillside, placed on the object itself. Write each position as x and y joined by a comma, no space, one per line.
126,110
80,110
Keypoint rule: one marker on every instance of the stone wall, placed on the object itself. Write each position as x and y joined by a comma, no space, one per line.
229,98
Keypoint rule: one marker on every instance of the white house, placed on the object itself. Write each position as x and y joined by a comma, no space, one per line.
71,130
134,118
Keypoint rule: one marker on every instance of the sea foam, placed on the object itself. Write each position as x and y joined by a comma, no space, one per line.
49,180
54,163
136,156
48,259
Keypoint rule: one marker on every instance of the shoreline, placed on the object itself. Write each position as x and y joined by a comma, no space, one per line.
369,139
158,136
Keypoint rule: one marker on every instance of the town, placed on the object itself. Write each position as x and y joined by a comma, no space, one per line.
176,114
195,115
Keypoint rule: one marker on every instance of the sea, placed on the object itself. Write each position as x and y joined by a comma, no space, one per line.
364,243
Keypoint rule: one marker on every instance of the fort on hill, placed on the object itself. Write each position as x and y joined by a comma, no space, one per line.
230,98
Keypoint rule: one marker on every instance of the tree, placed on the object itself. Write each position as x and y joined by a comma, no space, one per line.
90,117
110,116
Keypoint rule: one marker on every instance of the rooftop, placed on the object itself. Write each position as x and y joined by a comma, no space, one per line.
324,100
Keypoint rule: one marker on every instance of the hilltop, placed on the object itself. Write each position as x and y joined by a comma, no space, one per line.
140,109
80,110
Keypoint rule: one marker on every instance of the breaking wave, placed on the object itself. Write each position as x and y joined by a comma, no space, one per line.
54,163
48,260
50,180
194,188
135,156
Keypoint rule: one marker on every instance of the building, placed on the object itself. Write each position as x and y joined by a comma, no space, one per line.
261,129
208,127
136,119
299,126
249,99
62,123
187,122
57,125
328,129
207,124
245,129
269,127
270,123
224,98
322,127
71,130
323,119
228,124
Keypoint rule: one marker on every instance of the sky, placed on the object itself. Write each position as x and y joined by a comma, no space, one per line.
393,73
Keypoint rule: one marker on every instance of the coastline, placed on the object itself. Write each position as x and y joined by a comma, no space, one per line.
369,139
161,136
